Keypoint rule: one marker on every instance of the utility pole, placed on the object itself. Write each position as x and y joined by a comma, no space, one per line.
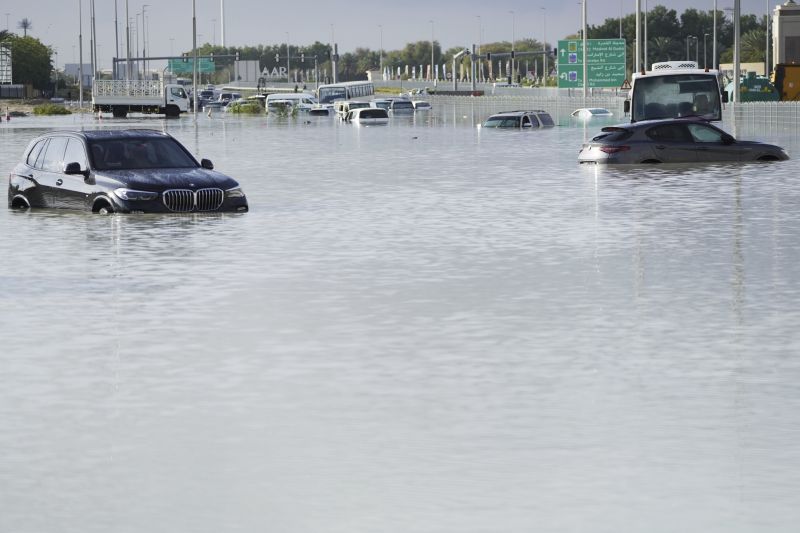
80,54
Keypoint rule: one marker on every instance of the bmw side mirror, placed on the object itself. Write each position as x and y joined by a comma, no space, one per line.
626,106
75,168
207,164
724,97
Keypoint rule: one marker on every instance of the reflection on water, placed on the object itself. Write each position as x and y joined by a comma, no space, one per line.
420,327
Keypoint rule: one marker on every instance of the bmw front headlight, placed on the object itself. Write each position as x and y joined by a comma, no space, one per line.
133,195
236,192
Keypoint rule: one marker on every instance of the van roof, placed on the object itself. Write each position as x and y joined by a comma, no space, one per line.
288,96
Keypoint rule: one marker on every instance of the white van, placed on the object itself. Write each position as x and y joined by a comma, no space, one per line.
302,101
342,107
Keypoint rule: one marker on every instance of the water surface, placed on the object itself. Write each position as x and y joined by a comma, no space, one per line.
422,327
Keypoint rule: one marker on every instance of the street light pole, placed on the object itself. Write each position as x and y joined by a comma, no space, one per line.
433,73
714,38
544,47
644,41
380,57
80,54
512,46
585,56
705,55
127,42
480,42
766,43
288,78
144,39
194,58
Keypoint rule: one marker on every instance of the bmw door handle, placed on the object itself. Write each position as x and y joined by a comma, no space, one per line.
59,181
660,146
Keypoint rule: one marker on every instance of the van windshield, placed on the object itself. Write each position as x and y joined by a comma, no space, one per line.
676,95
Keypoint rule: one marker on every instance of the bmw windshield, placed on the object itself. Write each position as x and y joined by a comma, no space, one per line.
142,153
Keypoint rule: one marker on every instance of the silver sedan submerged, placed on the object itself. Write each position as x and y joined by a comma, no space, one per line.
688,140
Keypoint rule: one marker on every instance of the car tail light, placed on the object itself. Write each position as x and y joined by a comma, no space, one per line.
614,149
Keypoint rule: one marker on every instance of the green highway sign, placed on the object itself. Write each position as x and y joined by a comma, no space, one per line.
179,66
605,68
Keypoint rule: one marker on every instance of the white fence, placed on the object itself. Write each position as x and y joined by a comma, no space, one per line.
762,117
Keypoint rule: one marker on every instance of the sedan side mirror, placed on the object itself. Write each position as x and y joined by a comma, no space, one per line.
75,168
207,164
724,97
626,107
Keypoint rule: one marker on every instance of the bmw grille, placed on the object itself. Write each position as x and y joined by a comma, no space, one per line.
185,200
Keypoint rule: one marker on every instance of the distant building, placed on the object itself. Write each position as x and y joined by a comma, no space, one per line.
72,70
727,69
786,33
5,64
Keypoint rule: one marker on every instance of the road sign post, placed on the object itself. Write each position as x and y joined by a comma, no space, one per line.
605,67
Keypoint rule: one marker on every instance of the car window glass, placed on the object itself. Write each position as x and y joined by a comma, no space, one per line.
34,153
526,122
545,119
705,134
54,154
75,153
670,133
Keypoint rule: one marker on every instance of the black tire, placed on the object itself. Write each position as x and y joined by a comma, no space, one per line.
119,112
104,209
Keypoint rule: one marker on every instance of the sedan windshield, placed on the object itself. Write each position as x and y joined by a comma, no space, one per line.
128,154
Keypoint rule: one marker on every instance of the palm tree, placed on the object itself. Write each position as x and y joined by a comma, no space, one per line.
4,35
664,49
25,24
753,46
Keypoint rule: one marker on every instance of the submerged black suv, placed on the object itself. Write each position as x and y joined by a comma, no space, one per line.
123,171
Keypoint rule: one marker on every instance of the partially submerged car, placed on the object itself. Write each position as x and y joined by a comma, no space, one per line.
367,116
586,113
119,171
524,119
682,140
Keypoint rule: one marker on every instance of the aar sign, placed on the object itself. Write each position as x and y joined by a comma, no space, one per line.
605,66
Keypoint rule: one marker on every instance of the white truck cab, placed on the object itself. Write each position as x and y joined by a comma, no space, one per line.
673,89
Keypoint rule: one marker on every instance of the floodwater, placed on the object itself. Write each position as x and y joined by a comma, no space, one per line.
424,328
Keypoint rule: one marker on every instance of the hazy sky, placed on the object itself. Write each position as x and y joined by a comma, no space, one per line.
357,23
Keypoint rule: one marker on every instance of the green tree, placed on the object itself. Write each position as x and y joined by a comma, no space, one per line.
30,62
664,48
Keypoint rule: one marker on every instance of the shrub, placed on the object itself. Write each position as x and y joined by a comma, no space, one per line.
252,108
51,109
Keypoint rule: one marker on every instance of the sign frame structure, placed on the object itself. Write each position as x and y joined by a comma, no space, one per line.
606,66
